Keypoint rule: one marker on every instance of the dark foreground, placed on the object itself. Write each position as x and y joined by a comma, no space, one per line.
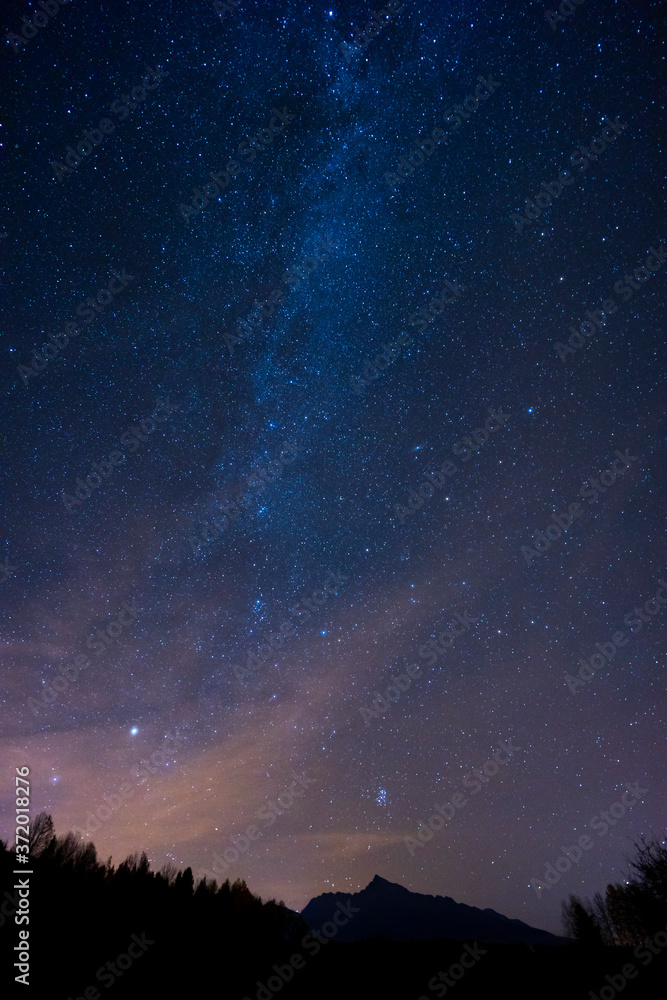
83,928
403,971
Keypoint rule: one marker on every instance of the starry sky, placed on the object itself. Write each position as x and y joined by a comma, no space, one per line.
236,328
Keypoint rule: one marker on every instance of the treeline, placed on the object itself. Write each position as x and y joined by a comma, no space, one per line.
630,911
93,925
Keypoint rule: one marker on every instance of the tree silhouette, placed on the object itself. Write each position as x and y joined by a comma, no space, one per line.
601,915
41,834
94,909
579,922
196,937
630,910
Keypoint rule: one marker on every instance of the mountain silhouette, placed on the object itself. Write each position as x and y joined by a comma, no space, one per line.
389,910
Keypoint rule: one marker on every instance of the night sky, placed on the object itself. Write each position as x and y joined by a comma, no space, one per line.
249,553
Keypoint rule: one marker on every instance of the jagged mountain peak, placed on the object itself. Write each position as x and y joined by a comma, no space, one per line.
389,910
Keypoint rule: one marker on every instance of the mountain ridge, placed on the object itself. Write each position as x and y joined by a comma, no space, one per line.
389,910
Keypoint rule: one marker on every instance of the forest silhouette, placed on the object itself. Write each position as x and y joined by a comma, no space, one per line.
96,927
